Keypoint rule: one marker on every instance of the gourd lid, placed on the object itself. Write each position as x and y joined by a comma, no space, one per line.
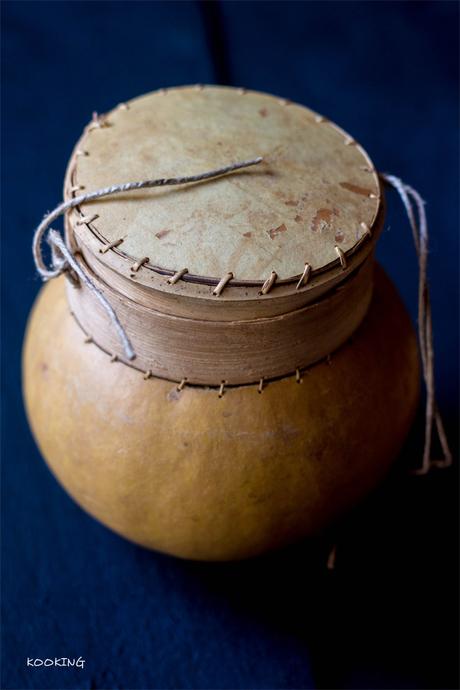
314,199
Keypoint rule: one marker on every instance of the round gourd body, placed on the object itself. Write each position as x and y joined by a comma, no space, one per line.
203,477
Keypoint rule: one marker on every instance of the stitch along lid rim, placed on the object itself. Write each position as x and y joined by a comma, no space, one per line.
310,212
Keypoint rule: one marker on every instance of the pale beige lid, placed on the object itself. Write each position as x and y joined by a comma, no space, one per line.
314,199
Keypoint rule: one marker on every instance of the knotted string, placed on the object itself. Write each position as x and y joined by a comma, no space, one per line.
425,327
62,257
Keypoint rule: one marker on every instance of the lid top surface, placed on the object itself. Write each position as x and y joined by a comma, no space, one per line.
312,192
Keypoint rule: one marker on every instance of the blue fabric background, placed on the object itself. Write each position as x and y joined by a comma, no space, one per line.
387,617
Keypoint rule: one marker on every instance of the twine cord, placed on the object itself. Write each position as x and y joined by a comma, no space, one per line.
62,257
419,226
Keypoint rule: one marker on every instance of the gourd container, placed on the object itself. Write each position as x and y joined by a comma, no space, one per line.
276,371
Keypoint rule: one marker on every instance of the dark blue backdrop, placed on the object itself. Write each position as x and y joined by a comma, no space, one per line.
387,617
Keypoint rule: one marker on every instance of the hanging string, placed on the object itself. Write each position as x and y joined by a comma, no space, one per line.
419,226
62,257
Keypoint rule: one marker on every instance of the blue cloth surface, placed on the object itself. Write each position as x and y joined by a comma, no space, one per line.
387,617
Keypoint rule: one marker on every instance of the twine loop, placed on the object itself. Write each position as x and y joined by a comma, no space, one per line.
63,258
419,226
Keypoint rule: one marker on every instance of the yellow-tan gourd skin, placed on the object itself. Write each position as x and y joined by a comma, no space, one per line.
206,478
